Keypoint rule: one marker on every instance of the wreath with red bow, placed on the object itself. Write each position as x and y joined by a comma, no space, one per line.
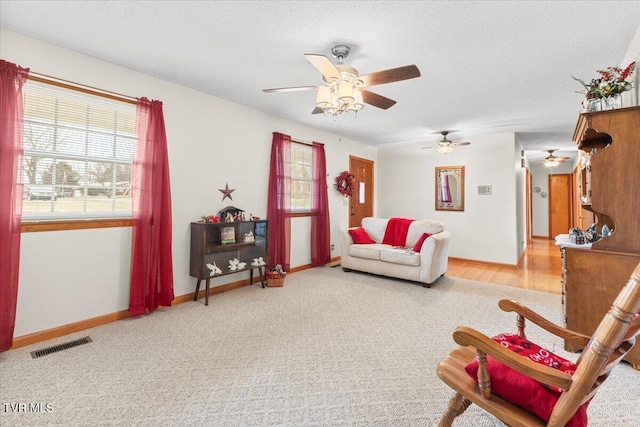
344,184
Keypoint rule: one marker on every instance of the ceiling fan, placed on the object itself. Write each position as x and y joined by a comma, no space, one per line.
343,89
445,145
551,160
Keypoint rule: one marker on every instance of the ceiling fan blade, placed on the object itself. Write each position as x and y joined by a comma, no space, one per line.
390,76
317,110
377,100
290,89
460,144
326,67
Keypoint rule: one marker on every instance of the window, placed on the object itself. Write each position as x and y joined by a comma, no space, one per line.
301,184
78,152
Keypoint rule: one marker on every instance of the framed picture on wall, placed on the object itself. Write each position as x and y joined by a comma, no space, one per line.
450,188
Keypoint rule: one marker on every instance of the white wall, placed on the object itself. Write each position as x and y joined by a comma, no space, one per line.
539,204
69,276
487,229
632,97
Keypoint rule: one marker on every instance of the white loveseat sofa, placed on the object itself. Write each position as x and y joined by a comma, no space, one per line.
425,266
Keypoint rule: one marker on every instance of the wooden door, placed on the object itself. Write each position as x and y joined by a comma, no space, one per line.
361,202
529,207
560,196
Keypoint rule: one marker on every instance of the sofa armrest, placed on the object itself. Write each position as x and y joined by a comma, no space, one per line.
345,241
434,256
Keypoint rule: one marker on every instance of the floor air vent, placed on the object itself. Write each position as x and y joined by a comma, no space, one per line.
59,347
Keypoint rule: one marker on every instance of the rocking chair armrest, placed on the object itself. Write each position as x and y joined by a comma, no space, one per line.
466,336
575,338
634,328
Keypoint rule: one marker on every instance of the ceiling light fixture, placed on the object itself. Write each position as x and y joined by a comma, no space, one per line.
445,149
446,146
551,163
341,95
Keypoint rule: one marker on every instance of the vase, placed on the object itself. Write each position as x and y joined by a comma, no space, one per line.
611,102
594,104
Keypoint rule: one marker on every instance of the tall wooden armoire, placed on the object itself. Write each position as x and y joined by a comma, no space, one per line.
593,277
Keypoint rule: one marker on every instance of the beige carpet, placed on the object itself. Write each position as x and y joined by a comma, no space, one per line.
328,349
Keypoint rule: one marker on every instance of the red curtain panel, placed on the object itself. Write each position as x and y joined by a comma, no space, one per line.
151,253
12,79
279,201
320,229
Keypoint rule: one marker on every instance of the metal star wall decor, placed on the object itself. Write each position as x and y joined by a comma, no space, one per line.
226,192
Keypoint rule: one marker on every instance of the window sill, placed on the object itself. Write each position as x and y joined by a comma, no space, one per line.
30,227
300,214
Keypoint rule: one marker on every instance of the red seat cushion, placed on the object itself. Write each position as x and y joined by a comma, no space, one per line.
360,236
418,244
523,391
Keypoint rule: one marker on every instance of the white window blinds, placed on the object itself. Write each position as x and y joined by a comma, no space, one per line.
78,151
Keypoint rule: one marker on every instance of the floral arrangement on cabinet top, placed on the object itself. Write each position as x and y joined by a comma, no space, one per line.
603,92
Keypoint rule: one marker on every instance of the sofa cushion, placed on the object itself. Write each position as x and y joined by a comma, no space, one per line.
400,256
369,251
375,227
418,245
360,236
418,227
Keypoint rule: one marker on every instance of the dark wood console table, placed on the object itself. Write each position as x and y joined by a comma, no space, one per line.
220,244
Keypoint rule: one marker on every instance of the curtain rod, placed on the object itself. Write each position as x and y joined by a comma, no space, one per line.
43,78
310,144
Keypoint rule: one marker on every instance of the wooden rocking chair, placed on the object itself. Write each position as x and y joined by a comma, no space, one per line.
568,393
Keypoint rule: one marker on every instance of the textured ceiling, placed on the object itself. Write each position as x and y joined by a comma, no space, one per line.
486,67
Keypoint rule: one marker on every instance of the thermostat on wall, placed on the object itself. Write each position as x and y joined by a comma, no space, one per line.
484,190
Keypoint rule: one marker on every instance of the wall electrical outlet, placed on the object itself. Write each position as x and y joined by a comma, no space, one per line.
333,247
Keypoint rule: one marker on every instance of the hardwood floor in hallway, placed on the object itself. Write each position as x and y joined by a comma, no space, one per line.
540,269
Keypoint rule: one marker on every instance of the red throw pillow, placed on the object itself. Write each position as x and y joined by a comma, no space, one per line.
523,391
360,236
418,245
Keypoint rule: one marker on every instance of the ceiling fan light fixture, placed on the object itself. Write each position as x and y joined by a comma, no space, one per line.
445,149
358,102
323,97
345,93
551,163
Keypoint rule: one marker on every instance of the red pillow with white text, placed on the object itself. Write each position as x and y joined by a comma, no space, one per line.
360,236
418,244
523,391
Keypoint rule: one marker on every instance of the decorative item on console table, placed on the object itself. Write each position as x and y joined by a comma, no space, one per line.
231,214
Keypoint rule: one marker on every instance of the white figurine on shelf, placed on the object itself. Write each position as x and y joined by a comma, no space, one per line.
241,265
258,262
233,264
214,269
248,237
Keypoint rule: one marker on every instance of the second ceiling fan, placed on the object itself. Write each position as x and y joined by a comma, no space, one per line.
552,160
445,145
343,89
